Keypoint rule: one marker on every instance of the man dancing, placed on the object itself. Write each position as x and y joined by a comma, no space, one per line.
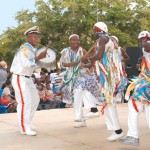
26,94
140,99
120,57
80,87
106,70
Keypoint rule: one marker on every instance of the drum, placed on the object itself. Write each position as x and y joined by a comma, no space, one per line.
49,60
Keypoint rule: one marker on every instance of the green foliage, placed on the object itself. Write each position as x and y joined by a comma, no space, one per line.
58,19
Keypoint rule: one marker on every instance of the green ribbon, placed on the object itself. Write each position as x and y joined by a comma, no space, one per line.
73,75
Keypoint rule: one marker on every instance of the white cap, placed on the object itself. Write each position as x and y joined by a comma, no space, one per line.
73,36
114,37
34,29
100,26
144,34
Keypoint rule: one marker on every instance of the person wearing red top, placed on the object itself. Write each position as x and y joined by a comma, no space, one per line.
50,96
6,99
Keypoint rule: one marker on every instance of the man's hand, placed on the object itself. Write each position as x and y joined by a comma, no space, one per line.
44,53
41,55
73,64
82,66
84,59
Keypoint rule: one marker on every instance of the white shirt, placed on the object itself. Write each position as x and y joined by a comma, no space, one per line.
24,62
52,77
6,91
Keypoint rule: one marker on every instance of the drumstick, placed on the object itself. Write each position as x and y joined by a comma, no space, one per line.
90,51
91,48
88,69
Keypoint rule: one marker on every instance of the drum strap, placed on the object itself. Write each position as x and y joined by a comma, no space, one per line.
26,45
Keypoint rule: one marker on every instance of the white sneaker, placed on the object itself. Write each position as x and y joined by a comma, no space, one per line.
30,133
23,133
92,114
115,136
79,123
128,140
33,127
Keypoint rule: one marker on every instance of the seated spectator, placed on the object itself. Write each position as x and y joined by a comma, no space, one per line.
41,93
44,76
7,98
53,74
3,73
58,79
50,96
45,103
57,88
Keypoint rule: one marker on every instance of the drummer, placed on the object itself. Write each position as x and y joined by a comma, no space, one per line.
22,67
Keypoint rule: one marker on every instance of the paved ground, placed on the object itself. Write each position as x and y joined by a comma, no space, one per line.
56,132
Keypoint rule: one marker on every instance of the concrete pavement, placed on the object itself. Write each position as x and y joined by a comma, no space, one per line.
56,132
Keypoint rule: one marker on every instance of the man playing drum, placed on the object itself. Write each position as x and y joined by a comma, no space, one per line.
140,99
50,58
81,88
22,67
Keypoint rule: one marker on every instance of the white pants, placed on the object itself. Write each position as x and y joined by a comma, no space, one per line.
133,117
82,97
111,116
27,98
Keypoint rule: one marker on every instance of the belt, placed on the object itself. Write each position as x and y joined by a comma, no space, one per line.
22,75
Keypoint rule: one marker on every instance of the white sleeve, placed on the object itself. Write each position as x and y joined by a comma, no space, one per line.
26,58
64,57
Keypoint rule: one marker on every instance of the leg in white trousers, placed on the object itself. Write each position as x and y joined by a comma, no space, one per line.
27,98
82,97
111,116
35,101
133,118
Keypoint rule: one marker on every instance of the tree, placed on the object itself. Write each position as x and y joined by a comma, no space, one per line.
58,19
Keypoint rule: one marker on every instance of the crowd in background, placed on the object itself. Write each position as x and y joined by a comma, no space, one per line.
48,84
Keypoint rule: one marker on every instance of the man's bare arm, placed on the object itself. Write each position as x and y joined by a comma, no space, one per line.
102,42
147,47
